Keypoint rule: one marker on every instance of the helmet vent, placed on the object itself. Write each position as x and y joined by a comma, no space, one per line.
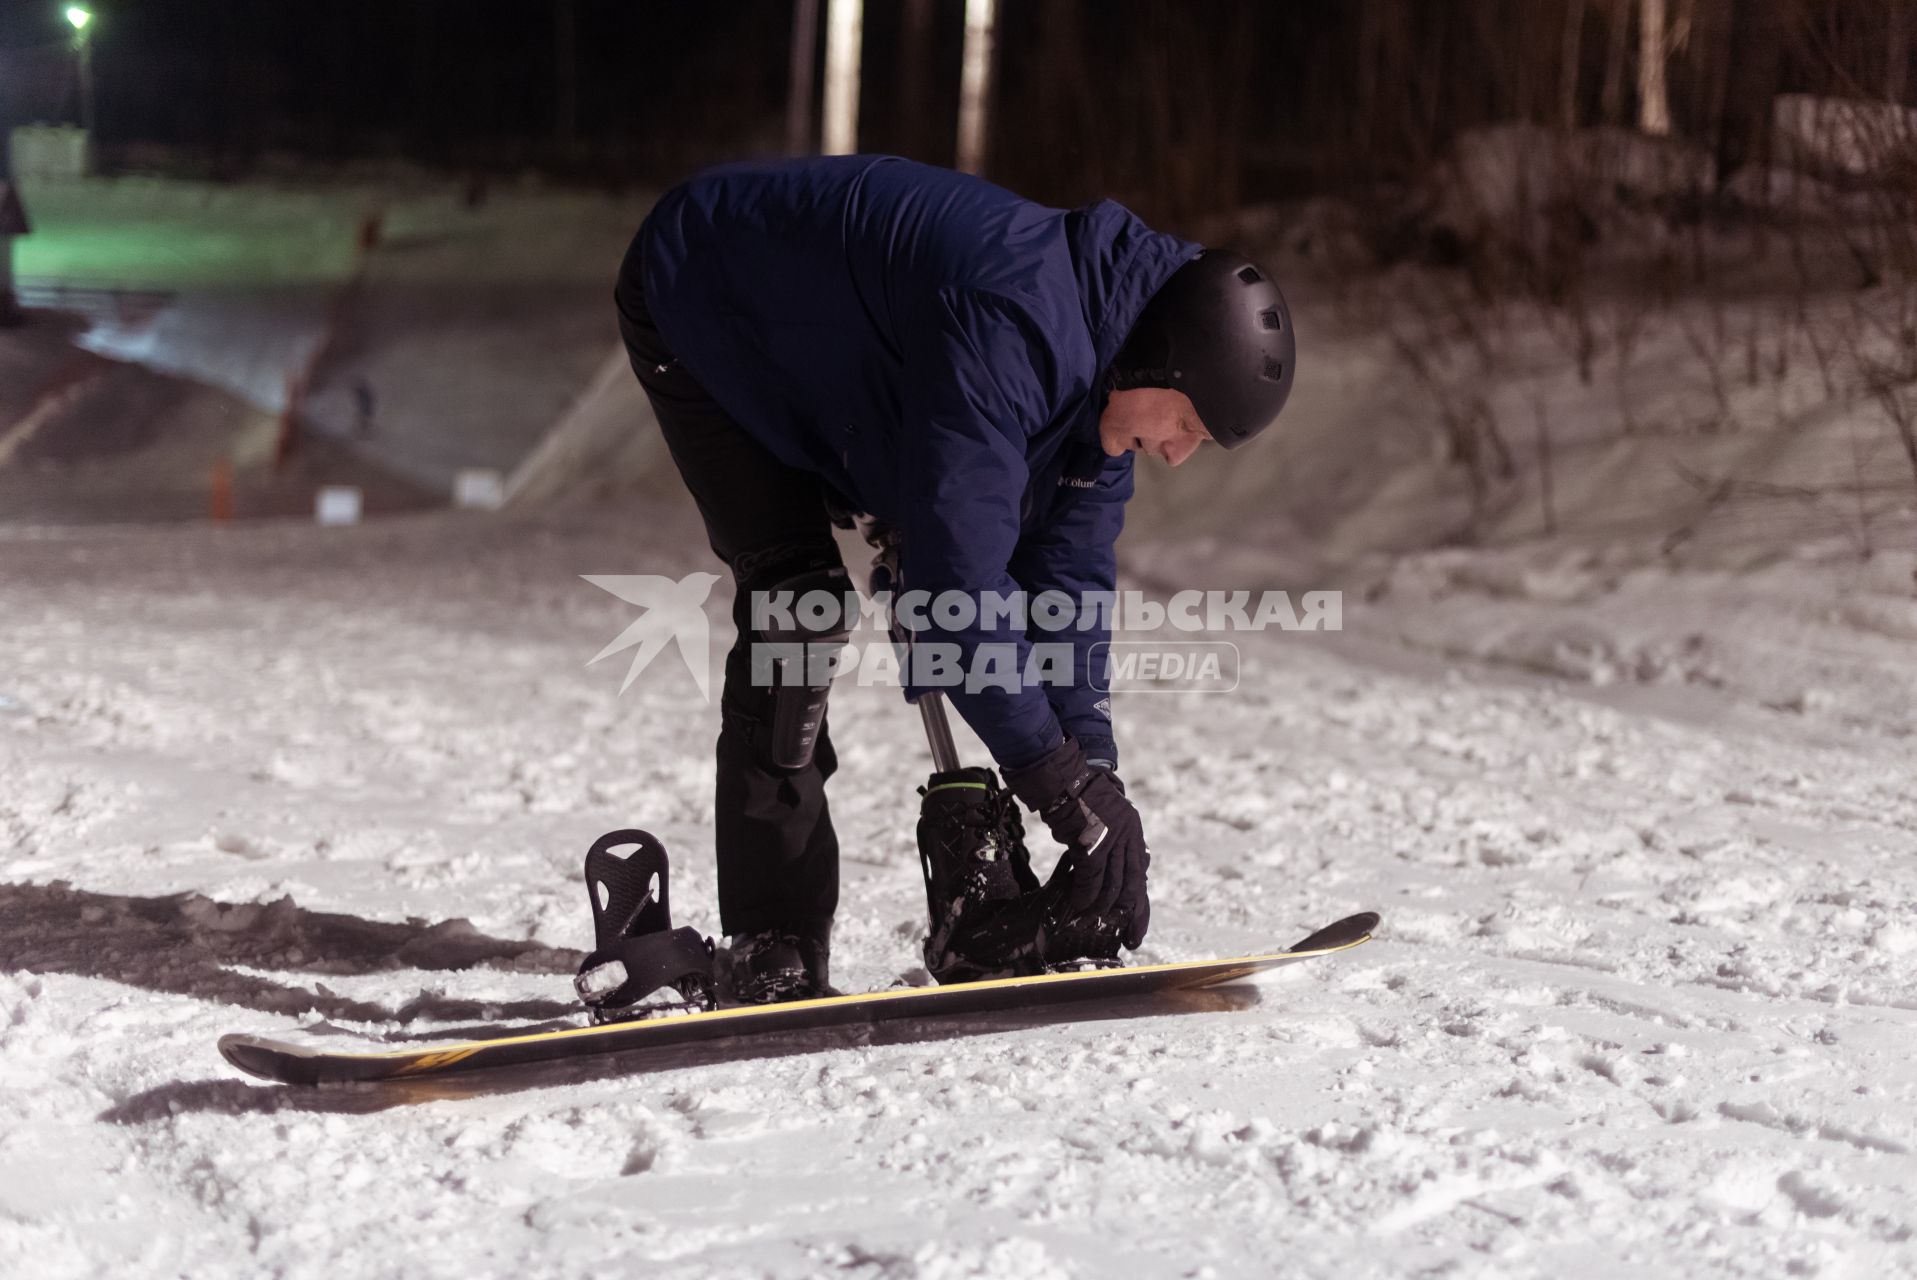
1249,275
1274,370
1271,319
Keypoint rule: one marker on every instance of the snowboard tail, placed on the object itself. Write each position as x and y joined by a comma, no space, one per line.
288,1062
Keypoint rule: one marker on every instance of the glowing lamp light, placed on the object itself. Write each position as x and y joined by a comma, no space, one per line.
78,17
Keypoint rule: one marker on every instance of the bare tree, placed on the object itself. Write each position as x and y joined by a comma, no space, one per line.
975,83
1653,47
1570,50
916,59
1616,49
798,103
844,27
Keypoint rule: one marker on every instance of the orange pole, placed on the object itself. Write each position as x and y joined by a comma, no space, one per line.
220,495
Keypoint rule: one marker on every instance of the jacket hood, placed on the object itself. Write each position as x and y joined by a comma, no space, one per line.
1120,263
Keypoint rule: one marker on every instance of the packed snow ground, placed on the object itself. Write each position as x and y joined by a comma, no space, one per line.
1643,998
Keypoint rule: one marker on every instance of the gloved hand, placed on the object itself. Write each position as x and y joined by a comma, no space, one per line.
1101,878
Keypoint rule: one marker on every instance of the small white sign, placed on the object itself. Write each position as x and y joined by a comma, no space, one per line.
337,504
479,488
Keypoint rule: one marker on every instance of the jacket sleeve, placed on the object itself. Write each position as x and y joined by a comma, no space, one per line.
976,379
1076,554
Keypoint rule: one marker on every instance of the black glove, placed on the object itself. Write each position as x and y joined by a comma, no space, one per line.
1101,878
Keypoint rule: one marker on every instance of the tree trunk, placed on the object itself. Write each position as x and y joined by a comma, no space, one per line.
844,27
916,60
1617,46
798,101
975,84
1753,74
1653,102
1570,51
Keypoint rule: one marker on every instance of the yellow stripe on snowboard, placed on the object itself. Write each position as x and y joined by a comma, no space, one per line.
441,1056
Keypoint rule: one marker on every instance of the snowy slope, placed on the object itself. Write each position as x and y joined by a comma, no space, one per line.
235,278
471,326
1643,998
474,328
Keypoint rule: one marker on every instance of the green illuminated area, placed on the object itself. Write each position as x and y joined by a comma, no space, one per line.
148,233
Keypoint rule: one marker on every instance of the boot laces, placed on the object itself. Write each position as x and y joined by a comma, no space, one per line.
999,828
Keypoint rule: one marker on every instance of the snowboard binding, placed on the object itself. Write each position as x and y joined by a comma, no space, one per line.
637,953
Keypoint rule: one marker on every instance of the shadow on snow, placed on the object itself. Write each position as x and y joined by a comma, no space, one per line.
187,944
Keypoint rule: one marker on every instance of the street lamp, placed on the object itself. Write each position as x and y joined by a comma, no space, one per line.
82,18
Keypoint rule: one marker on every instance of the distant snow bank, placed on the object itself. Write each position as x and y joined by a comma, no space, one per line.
1851,137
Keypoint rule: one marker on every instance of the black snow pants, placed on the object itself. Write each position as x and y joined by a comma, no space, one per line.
778,855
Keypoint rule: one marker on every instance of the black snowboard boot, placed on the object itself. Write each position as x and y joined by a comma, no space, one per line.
776,965
978,879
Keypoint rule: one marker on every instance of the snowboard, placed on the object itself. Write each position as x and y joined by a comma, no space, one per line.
289,1062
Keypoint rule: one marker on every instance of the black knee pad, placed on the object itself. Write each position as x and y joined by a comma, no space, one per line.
799,626
745,742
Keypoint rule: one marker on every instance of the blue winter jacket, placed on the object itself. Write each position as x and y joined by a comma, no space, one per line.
935,349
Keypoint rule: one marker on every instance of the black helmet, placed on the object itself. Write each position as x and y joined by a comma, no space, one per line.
1220,332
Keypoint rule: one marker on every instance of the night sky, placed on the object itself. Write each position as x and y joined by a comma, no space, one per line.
473,81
